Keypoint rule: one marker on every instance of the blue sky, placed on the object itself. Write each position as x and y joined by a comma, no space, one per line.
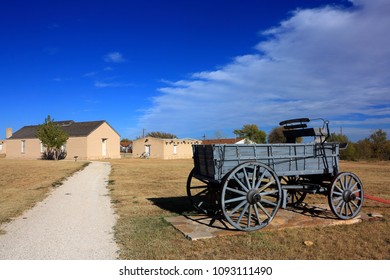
196,68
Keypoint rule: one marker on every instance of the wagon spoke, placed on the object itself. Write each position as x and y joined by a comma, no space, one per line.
339,204
260,180
249,216
357,191
254,177
354,204
294,197
349,182
198,187
238,207
242,213
338,193
240,183
236,191
266,186
350,208
246,178
345,208
257,213
342,184
342,204
337,187
200,204
268,202
354,186
201,193
337,199
268,193
263,209
240,198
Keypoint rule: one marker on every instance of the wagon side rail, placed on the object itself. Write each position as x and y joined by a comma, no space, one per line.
213,162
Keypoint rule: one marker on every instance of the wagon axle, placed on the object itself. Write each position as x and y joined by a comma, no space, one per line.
253,197
348,196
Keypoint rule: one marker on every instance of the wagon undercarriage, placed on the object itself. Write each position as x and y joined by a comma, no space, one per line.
248,184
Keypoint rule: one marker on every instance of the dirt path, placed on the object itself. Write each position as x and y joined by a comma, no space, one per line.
75,222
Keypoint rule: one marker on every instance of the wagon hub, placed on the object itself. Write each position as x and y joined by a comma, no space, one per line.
253,197
348,196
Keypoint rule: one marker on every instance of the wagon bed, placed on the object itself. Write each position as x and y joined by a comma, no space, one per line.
213,162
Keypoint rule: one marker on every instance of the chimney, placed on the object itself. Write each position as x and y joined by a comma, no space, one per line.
8,133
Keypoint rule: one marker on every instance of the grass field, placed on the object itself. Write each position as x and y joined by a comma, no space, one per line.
25,182
146,191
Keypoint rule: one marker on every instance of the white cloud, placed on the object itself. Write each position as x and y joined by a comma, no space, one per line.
100,84
90,74
328,62
114,57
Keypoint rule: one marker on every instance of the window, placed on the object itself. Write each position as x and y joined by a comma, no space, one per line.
23,147
174,149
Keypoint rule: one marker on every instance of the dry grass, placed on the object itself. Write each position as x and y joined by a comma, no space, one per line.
146,191
25,182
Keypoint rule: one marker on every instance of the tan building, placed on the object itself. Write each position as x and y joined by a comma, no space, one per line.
87,140
163,148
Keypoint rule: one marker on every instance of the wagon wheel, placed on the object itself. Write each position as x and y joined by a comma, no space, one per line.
294,197
346,195
202,194
251,196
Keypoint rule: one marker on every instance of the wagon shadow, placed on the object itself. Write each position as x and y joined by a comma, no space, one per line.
313,211
182,206
178,205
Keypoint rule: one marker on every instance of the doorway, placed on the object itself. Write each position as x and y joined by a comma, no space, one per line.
104,147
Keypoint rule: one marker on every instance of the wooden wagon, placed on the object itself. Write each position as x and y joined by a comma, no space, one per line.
249,183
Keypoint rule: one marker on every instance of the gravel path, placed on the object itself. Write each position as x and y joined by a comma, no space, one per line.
75,222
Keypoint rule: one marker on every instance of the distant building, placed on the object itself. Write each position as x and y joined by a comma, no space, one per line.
149,147
87,140
126,146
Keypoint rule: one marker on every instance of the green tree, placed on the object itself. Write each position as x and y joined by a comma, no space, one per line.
276,135
349,153
53,138
378,142
162,135
364,149
251,132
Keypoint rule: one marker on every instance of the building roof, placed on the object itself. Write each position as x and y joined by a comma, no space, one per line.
221,141
72,128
